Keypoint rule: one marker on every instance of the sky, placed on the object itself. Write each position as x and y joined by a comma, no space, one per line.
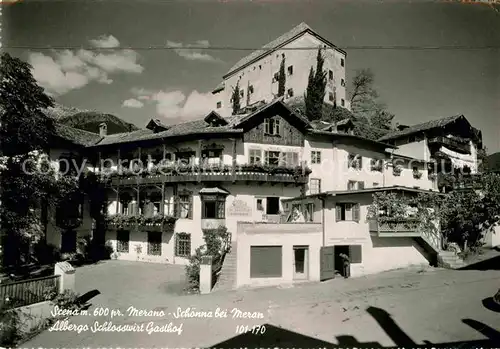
430,59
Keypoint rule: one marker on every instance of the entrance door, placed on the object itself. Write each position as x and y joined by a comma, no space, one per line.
300,262
339,262
327,263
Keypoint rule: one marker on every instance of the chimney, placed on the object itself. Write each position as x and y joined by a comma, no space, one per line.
103,129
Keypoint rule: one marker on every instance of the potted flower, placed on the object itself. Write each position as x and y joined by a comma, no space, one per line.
396,170
417,174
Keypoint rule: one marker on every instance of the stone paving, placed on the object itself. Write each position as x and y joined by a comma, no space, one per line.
428,304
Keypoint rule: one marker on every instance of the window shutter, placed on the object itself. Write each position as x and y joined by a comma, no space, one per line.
355,212
176,245
361,185
355,253
176,206
338,213
190,212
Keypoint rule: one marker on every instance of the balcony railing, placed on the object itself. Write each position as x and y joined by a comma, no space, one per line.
451,143
154,223
256,173
388,227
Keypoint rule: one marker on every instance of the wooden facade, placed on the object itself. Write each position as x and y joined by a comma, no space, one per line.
288,134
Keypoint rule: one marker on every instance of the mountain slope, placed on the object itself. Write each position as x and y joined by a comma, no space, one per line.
88,120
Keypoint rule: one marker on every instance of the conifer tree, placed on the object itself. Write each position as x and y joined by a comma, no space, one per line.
315,92
236,98
282,79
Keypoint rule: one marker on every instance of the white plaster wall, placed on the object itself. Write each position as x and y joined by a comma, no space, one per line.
322,171
378,254
260,74
492,237
285,235
418,150
342,173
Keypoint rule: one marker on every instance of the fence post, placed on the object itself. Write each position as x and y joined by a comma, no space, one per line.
67,276
206,274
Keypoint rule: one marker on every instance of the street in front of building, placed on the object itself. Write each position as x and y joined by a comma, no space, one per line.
403,307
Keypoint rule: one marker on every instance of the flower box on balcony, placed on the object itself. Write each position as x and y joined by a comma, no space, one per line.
396,171
417,174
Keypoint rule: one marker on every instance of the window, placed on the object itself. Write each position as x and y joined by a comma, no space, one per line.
342,82
266,261
342,102
375,184
255,156
291,159
273,205
260,66
347,212
250,89
184,207
290,70
182,245
272,158
260,206
154,243
309,212
185,158
276,77
212,157
315,186
355,185
330,96
354,161
330,75
213,207
122,241
412,139
290,92
316,157
376,165
342,62
351,185
272,127
242,93
283,55
219,105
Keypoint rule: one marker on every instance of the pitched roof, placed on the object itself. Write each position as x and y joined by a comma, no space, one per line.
421,127
76,136
276,43
199,126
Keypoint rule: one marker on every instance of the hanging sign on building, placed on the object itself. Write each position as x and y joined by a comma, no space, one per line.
239,208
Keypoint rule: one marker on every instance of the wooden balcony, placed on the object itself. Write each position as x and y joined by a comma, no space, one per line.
248,173
395,228
451,143
141,223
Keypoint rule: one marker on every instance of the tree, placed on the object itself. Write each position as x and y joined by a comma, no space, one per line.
236,98
482,157
282,79
315,92
371,118
25,132
466,214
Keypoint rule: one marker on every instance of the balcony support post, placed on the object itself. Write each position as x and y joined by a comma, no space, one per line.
162,206
200,161
117,199
233,155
